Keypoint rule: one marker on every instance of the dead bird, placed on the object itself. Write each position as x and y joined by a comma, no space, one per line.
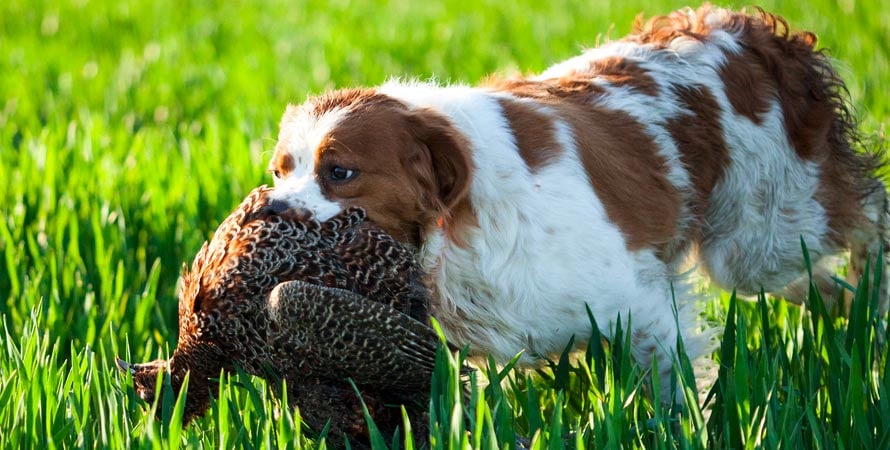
281,294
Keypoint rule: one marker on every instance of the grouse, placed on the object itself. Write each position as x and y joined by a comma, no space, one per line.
281,294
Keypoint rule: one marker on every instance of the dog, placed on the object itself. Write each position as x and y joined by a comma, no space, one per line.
706,135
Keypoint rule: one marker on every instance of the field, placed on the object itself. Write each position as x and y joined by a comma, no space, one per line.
128,130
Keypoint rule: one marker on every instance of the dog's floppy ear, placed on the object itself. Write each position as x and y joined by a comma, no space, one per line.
442,162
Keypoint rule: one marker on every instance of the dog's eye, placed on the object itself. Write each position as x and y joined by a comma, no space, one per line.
341,174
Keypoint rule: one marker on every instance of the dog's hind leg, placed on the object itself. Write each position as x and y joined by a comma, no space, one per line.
824,275
865,241
868,241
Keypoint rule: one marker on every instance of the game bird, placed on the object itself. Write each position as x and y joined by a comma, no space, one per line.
283,295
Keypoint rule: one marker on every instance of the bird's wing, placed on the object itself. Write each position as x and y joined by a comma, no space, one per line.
348,335
384,270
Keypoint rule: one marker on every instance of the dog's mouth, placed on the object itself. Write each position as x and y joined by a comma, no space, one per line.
278,206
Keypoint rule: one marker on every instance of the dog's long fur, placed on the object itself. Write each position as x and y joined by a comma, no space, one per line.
706,133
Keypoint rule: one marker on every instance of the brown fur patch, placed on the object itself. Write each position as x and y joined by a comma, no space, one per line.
628,175
620,159
748,87
615,70
534,132
344,98
282,162
564,87
624,72
699,139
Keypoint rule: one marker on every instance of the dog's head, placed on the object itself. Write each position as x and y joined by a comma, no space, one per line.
407,167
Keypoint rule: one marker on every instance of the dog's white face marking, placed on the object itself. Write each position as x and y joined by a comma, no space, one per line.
304,190
302,134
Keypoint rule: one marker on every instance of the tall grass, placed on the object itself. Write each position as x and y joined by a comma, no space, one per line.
788,378
128,130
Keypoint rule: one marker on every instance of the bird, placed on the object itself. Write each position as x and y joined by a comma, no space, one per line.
283,295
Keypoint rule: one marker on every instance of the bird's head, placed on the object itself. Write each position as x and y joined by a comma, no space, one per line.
145,376
203,380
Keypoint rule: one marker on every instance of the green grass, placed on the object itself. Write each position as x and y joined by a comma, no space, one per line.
128,130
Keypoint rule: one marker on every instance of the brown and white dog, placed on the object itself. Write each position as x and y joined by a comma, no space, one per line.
706,133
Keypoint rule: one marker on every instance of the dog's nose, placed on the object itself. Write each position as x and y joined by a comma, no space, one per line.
278,206
292,209
302,194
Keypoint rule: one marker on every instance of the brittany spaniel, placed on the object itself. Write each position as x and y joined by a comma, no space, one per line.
706,133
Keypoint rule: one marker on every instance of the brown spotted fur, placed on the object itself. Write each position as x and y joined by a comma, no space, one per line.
620,158
778,63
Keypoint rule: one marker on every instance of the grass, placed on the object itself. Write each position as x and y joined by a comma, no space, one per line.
128,130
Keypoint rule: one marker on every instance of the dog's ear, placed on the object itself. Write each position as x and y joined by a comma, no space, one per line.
442,162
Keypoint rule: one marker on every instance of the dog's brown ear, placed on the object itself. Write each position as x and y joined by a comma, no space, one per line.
443,164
